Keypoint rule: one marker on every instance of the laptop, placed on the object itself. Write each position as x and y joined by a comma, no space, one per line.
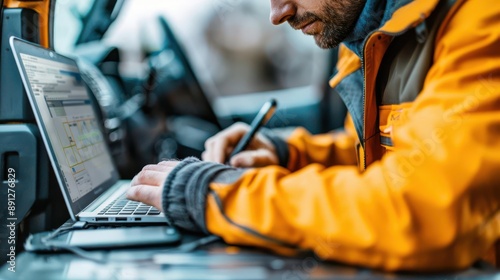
87,176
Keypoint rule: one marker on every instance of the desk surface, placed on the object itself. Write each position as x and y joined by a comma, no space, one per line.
214,261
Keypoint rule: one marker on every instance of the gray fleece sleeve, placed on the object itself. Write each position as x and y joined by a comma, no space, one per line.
185,191
186,187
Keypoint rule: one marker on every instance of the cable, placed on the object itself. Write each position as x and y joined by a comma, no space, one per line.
55,234
83,253
75,250
188,247
102,258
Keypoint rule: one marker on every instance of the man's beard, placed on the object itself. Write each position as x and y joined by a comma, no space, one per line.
338,19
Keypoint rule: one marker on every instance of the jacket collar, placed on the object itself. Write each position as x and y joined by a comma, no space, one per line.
374,15
401,19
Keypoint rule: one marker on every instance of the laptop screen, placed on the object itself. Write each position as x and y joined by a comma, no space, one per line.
69,125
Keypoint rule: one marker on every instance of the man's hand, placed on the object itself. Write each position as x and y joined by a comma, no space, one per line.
147,186
260,152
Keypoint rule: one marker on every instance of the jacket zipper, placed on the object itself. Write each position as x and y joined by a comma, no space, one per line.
393,34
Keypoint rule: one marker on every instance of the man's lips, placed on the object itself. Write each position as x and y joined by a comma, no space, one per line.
308,27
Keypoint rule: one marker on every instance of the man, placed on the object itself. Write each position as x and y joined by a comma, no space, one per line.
421,80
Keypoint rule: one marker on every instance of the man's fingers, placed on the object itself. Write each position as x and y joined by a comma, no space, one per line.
147,185
212,150
168,163
157,167
218,150
210,153
147,194
150,177
217,147
256,158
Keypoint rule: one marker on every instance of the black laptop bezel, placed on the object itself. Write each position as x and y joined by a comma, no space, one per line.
20,46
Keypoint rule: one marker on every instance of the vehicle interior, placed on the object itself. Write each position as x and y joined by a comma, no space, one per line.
164,75
156,103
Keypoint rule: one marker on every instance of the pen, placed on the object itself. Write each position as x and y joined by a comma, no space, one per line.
264,115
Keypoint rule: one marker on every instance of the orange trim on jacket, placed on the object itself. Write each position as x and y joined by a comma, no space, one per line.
43,10
430,204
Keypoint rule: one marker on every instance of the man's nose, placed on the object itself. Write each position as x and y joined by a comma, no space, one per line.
281,11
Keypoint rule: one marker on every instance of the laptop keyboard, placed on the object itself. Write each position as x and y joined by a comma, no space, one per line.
123,206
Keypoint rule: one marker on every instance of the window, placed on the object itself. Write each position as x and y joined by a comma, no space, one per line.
231,44
68,24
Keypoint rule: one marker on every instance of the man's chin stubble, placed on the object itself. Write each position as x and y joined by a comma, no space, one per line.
320,42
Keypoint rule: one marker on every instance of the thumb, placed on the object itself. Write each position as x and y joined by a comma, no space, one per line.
255,158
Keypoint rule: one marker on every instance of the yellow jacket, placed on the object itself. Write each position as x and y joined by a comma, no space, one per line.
430,202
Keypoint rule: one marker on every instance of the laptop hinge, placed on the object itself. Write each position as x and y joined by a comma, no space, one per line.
102,198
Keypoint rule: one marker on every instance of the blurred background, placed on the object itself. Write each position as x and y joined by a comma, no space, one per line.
233,47
167,74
